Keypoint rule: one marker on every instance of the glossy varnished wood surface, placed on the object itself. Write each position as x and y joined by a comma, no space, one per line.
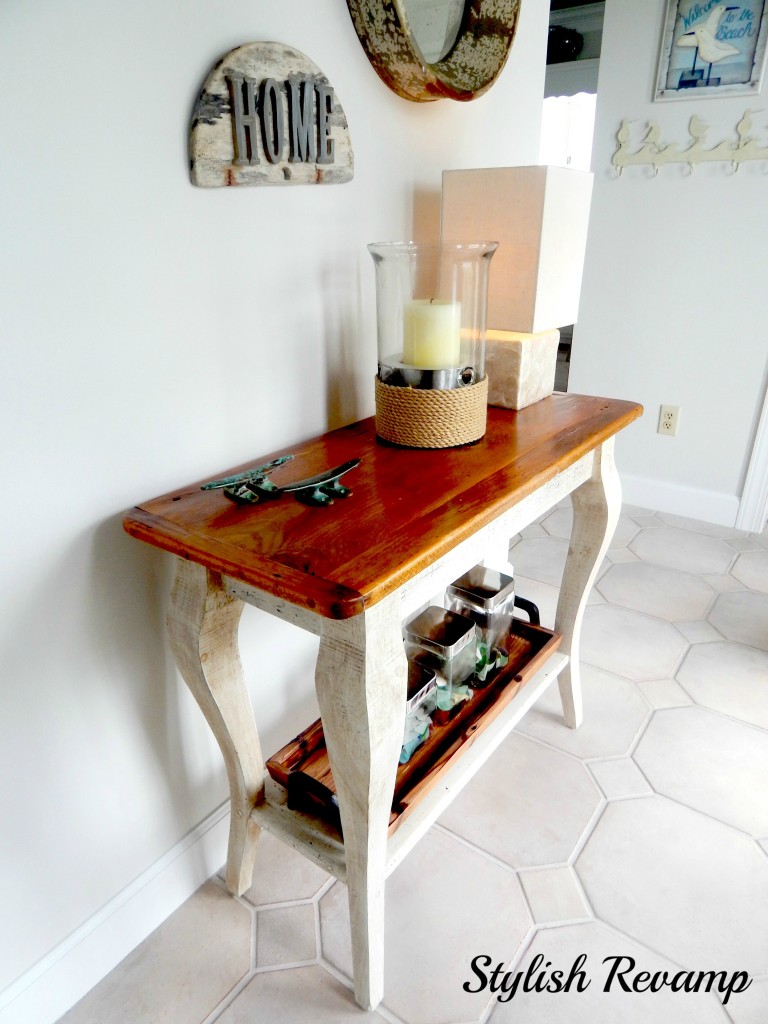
409,506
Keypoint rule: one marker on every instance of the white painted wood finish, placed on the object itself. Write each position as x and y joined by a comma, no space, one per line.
308,834
596,507
202,626
361,684
300,617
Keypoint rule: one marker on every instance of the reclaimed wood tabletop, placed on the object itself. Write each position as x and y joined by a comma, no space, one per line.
408,507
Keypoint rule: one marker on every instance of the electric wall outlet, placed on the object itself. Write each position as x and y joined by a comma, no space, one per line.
669,418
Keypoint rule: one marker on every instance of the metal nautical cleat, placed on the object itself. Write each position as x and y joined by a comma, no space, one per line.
254,485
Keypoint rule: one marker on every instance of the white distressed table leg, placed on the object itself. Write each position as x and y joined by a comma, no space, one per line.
202,626
596,507
361,685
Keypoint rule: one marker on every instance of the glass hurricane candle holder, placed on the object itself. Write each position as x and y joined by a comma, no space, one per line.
431,388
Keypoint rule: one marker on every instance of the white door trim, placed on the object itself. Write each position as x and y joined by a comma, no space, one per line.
753,508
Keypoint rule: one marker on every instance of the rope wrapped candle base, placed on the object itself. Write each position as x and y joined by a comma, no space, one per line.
424,418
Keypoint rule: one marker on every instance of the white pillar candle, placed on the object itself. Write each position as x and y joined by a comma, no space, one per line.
432,334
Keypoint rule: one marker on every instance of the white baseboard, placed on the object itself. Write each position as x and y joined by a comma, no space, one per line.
659,496
54,984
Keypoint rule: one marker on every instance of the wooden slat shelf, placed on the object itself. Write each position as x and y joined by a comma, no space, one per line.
321,841
473,757
303,768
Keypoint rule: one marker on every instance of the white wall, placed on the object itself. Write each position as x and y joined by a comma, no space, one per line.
153,333
674,305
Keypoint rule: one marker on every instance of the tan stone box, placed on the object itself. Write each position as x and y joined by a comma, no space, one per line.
520,367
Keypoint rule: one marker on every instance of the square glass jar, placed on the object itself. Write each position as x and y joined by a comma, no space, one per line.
487,597
446,643
420,704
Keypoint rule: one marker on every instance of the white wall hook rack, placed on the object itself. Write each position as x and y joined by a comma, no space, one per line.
652,152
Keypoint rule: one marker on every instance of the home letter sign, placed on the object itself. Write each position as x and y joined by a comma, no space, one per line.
267,116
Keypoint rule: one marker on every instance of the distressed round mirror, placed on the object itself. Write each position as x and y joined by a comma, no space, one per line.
433,49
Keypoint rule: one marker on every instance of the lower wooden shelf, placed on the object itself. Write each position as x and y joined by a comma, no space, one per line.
321,841
302,766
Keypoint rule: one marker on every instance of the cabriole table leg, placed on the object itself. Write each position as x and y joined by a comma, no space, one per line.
596,508
361,683
202,626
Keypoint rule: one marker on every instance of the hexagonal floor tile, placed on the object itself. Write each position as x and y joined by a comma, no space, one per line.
528,805
681,549
303,995
664,693
545,596
615,556
282,875
645,520
286,935
445,904
560,522
681,883
620,777
698,631
751,569
709,763
742,616
722,582
562,947
667,593
630,643
752,1006
553,895
614,710
729,678
181,972
745,542
699,526
540,558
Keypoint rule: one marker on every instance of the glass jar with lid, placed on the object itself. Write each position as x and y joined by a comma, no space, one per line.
486,596
446,643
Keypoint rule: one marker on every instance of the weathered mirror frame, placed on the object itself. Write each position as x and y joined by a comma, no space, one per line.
468,69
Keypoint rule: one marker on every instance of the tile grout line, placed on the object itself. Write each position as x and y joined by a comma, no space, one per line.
587,833
708,815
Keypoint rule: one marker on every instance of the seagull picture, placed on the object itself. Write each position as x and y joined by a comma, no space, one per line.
704,39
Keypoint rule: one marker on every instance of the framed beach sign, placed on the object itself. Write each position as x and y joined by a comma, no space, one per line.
712,49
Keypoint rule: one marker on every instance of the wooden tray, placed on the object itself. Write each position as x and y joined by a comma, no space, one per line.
302,765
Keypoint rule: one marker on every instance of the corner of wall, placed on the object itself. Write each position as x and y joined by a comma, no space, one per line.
54,984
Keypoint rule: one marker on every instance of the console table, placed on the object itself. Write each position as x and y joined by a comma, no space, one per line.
351,573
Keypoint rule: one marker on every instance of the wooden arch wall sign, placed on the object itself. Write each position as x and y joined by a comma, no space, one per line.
268,116
466,71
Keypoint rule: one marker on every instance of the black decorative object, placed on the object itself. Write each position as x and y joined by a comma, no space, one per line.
563,44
